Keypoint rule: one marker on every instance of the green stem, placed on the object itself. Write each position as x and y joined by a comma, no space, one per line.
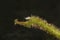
50,28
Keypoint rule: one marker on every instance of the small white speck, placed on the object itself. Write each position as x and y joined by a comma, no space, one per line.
27,18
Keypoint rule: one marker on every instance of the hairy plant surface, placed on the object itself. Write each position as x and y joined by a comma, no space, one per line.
49,28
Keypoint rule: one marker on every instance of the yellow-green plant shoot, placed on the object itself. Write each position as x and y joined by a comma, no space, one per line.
50,28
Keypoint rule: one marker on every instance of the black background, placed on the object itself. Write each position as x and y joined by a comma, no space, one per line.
46,9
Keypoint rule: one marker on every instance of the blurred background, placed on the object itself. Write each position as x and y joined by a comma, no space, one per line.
46,9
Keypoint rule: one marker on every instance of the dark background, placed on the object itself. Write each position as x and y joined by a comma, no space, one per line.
46,9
